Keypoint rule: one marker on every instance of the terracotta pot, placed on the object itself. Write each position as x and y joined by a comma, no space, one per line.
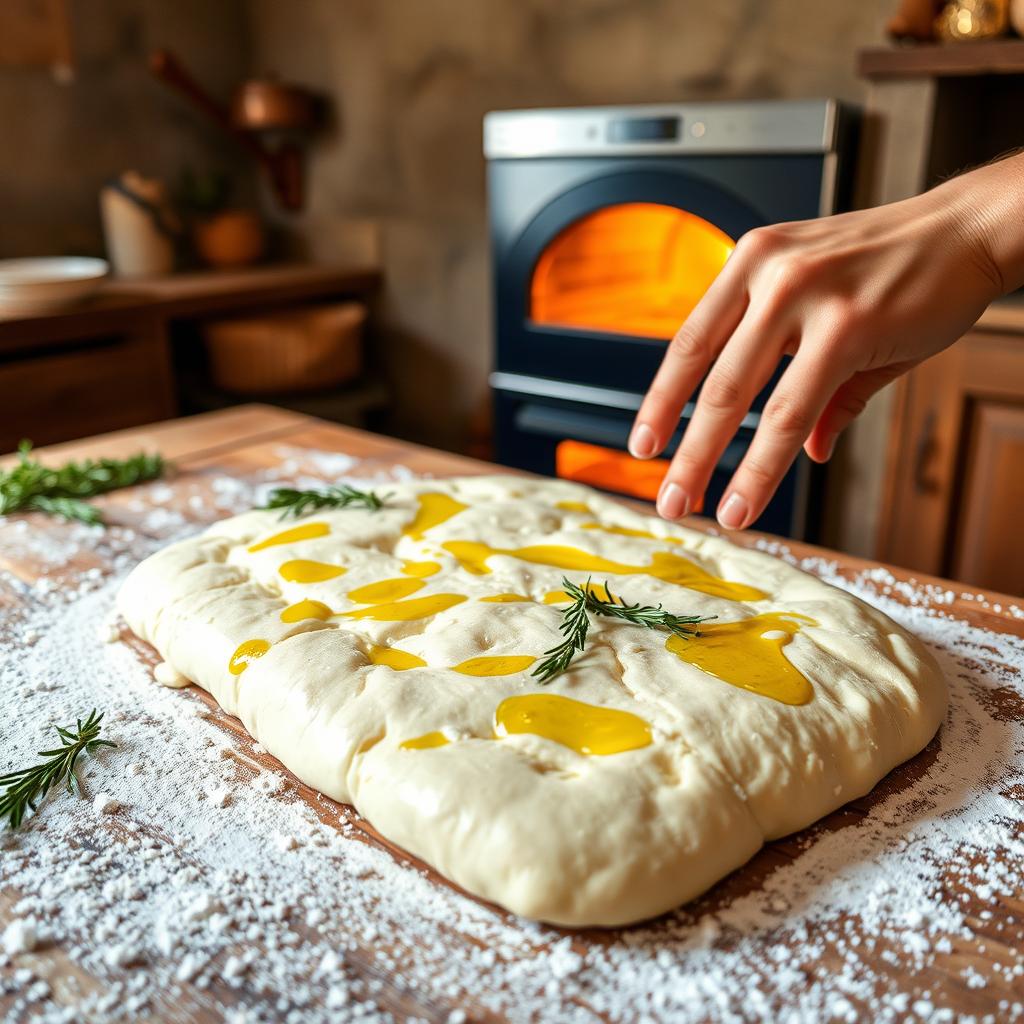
232,238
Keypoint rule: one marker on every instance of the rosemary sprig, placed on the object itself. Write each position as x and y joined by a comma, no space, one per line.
26,787
576,623
31,486
298,503
574,628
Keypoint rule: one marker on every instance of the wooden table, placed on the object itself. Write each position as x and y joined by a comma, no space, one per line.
242,440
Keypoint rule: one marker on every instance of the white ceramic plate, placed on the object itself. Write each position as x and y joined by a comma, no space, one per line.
48,282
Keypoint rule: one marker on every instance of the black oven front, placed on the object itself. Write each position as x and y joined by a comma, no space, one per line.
607,226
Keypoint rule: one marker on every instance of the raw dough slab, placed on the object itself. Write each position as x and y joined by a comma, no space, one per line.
527,822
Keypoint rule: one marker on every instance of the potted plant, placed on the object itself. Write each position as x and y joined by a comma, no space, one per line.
222,235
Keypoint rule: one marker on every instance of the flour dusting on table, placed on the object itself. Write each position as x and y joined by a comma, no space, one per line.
191,880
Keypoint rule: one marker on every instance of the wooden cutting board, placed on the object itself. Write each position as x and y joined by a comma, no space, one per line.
244,441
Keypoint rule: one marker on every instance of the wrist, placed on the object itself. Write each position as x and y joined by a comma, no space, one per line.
986,208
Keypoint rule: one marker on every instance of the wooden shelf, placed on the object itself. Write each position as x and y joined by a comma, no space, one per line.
181,296
931,60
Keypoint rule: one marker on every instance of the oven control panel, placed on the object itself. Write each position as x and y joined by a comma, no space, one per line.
771,126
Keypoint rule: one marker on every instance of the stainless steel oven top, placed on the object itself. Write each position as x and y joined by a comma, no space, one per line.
767,126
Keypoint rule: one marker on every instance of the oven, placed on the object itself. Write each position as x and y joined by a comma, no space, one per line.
607,225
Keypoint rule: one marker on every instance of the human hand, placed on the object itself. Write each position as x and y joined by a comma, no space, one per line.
857,299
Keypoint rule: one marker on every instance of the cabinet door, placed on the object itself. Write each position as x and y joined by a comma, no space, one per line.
988,548
100,385
956,466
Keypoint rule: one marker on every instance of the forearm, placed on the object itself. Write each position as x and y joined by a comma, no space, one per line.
856,299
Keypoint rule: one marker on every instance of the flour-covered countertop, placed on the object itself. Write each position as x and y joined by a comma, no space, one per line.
199,881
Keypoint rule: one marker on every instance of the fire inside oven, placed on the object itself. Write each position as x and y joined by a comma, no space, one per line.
609,469
633,268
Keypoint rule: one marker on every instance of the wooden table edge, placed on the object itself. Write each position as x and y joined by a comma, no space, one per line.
186,440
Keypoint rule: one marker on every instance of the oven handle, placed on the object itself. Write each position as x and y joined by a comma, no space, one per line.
561,424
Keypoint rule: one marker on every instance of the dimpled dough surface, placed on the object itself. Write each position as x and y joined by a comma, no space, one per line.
361,649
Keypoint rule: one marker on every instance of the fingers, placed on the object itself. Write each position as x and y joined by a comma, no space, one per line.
796,404
742,369
689,354
845,406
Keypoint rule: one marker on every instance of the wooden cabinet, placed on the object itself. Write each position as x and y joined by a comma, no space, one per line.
107,363
947,498
955,485
55,391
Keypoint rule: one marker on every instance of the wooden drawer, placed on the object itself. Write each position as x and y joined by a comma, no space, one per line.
103,384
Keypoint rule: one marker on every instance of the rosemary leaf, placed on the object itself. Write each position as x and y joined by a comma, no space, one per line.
299,503
30,486
25,788
576,624
574,628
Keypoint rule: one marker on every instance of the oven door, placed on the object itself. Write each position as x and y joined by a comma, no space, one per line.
585,442
600,278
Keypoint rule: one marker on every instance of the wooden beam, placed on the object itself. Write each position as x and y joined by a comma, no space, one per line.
931,60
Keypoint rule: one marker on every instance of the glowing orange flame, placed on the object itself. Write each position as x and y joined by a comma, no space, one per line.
634,268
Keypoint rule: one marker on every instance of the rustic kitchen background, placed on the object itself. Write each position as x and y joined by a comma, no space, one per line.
393,216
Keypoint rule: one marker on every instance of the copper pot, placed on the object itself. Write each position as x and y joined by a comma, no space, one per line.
267,104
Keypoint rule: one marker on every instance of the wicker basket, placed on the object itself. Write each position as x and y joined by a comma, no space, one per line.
308,349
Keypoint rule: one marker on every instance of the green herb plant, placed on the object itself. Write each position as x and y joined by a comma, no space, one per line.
298,503
29,486
576,624
27,787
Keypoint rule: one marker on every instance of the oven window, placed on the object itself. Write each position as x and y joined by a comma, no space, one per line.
633,268
609,469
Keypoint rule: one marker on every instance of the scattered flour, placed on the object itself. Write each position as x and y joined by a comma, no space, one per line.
104,803
19,936
215,891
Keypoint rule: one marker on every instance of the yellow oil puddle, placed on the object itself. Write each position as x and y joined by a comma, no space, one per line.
307,531
307,609
301,570
392,657
665,566
385,590
245,654
495,665
420,569
426,741
406,611
434,509
749,654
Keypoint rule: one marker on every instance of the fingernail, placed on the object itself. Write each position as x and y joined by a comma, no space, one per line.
672,502
733,512
831,447
641,442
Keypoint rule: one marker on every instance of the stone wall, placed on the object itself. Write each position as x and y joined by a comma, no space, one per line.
401,177
61,141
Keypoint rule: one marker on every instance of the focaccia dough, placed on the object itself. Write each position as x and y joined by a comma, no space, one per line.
336,686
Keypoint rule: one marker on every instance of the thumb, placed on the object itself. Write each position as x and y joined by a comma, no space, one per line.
845,406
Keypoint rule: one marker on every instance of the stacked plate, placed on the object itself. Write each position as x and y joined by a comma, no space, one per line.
43,284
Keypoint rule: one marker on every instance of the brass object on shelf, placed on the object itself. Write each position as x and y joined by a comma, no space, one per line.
963,20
